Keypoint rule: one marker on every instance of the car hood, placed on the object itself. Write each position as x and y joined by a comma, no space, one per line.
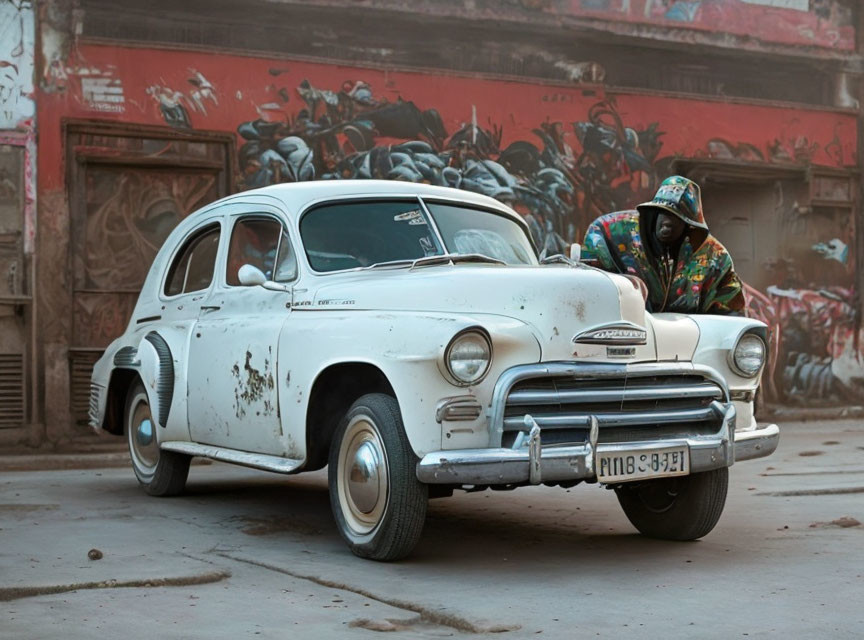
557,302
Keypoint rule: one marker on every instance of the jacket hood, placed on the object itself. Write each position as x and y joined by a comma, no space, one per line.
682,198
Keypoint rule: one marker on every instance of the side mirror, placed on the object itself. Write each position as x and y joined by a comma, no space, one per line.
575,252
250,276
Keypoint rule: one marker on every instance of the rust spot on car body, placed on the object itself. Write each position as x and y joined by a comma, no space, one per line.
251,386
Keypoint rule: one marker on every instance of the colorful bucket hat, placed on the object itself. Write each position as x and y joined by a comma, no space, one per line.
680,197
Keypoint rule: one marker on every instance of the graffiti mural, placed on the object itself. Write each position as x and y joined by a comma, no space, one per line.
824,23
561,179
819,345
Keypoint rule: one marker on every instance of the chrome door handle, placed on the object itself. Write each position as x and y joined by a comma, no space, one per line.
210,307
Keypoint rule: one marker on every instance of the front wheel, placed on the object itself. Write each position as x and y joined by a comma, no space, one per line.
161,473
377,501
683,508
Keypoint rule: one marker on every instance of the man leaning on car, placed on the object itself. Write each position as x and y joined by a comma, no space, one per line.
666,243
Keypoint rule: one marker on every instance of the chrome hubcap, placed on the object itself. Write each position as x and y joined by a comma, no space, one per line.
144,448
145,433
363,479
362,476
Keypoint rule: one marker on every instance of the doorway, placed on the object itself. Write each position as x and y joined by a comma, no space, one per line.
128,189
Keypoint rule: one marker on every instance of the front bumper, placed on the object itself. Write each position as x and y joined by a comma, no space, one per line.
757,443
534,464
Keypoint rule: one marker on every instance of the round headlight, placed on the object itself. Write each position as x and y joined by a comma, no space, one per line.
468,357
749,355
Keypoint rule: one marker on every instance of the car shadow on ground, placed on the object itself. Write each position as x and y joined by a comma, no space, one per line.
464,532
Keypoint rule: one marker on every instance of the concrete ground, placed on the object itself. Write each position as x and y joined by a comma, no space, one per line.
249,554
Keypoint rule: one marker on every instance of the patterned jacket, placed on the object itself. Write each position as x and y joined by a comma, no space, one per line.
702,279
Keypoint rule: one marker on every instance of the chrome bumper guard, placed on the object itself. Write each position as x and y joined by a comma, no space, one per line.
757,443
534,464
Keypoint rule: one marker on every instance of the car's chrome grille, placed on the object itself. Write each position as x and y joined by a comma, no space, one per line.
627,409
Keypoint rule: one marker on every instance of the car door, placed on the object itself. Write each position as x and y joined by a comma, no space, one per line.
233,382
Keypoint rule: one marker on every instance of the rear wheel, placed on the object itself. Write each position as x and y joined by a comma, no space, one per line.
161,473
683,508
377,501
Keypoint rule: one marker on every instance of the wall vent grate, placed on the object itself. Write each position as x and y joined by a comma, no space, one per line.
12,389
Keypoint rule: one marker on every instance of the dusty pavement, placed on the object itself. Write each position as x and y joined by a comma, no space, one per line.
248,554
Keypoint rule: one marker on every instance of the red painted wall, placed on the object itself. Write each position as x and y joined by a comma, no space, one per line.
124,84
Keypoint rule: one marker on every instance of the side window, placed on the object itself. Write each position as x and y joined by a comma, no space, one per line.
255,241
193,266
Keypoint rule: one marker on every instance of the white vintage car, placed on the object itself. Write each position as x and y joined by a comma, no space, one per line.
409,337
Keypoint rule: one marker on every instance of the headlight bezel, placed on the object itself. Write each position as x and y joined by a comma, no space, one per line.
454,341
734,355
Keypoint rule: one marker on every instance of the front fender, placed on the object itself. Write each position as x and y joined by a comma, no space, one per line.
718,336
409,349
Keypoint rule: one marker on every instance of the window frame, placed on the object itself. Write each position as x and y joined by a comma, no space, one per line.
258,215
193,235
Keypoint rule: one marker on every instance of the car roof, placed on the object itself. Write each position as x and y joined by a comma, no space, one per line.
296,196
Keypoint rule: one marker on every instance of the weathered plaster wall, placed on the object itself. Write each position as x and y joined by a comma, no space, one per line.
821,23
825,24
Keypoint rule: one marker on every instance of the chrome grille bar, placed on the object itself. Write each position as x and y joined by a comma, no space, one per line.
540,396
559,385
606,419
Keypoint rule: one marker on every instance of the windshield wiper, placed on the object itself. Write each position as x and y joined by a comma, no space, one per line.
444,258
453,258
390,263
559,258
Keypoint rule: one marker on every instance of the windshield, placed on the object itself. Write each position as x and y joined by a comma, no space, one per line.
361,234
490,234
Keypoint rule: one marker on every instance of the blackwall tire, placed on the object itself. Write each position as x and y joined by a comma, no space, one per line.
684,508
161,473
378,503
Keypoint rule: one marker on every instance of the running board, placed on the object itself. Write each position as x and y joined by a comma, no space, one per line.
255,460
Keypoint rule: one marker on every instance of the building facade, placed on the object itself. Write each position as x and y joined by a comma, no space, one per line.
118,120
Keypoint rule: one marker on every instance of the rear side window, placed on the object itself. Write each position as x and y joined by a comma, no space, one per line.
193,266
254,241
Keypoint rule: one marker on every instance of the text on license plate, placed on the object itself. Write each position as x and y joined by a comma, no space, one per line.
621,466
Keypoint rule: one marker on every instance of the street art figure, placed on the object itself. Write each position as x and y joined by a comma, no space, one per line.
666,244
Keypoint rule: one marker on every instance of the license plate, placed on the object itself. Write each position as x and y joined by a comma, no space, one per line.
624,466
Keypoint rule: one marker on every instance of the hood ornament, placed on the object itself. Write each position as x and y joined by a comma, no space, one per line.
615,333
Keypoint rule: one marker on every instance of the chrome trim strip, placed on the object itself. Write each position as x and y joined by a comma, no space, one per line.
617,419
458,408
244,458
581,371
757,443
535,397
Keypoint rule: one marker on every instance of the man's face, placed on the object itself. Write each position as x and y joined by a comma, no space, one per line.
668,228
